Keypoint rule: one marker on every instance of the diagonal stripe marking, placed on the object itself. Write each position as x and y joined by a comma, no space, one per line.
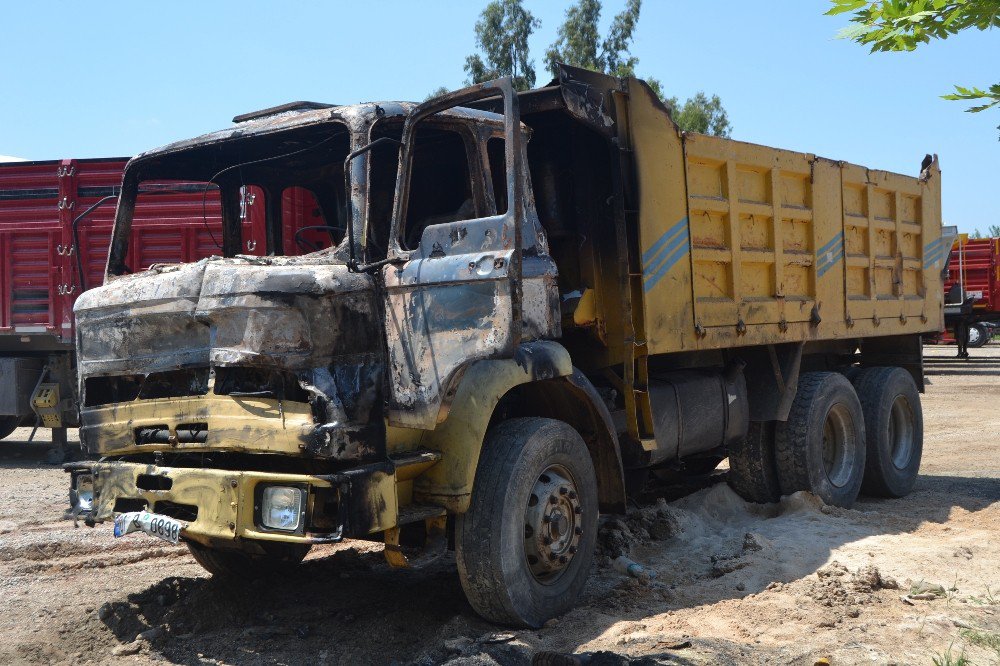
654,266
821,271
830,243
673,257
651,254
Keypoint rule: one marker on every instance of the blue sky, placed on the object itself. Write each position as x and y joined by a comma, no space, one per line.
89,79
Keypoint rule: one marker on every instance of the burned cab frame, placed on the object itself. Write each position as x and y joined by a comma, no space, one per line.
205,384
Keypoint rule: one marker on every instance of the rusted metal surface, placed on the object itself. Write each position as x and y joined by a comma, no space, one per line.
473,288
450,302
317,322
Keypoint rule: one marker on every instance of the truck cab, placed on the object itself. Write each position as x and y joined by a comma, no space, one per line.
253,406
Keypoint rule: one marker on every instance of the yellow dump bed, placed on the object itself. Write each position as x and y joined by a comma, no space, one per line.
743,244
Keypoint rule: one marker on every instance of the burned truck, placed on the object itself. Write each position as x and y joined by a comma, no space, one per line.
530,302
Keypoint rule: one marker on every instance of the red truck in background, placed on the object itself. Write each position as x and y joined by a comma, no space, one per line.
55,227
972,291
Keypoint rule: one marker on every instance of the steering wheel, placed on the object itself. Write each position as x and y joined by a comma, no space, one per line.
309,245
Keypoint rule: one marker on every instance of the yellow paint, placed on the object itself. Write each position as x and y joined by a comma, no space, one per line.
225,499
764,239
459,439
585,313
258,425
45,403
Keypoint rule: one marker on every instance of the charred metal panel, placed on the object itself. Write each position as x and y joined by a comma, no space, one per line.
463,295
316,321
443,312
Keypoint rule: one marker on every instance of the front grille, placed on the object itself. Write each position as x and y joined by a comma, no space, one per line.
126,504
99,391
186,512
153,482
185,433
247,382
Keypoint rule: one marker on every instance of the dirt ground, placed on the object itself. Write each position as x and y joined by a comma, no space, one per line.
888,582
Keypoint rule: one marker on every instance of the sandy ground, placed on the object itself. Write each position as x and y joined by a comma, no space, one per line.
791,583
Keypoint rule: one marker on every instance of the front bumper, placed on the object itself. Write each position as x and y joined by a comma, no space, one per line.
221,506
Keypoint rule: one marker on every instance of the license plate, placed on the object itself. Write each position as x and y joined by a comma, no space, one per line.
162,527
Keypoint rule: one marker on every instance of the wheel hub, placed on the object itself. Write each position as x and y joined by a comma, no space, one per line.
552,520
839,445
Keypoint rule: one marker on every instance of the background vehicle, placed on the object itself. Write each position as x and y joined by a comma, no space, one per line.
55,225
533,300
972,291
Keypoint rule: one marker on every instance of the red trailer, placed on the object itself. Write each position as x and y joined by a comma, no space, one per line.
972,289
55,228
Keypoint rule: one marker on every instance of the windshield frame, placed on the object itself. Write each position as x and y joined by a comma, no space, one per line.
185,161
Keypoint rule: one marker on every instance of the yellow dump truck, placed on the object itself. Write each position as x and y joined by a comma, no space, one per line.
511,310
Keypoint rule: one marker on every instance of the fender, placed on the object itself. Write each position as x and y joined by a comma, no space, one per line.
460,437
544,371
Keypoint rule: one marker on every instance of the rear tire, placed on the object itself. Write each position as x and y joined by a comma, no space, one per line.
894,430
277,558
753,473
978,336
525,546
821,447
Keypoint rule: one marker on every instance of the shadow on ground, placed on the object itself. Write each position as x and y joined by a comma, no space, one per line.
349,607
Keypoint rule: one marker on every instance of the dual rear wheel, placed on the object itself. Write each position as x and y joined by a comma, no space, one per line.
842,436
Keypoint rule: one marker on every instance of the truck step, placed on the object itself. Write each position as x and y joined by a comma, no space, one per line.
418,457
414,513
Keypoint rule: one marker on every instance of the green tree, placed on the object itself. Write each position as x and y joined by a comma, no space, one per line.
976,234
437,92
579,44
995,231
502,33
579,41
903,25
702,114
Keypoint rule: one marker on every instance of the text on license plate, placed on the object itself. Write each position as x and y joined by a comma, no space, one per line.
162,527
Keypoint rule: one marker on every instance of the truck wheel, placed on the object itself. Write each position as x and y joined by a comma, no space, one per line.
821,447
753,473
894,429
8,424
235,564
525,546
978,336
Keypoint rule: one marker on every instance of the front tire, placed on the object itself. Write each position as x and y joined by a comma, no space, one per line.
894,429
276,558
525,546
821,447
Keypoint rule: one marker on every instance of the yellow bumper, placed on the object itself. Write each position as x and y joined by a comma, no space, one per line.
352,503
256,425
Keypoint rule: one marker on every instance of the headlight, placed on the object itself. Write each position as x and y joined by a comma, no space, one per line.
282,508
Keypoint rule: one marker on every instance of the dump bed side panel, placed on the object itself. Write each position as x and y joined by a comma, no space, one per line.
743,244
664,228
30,239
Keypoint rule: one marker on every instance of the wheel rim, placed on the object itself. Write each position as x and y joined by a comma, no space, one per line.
839,445
901,432
552,524
974,335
